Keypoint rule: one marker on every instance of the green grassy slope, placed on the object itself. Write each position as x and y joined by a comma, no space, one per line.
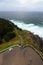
11,35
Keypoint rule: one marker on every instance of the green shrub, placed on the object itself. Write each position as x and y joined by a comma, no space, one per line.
9,36
5,26
0,41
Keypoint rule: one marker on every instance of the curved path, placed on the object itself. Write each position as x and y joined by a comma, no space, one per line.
19,56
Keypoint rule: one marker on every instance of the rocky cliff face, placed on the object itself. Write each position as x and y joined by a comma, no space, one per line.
37,40
31,39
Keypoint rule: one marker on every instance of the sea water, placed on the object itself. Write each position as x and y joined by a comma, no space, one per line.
31,21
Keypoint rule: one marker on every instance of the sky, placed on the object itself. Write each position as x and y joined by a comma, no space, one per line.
21,5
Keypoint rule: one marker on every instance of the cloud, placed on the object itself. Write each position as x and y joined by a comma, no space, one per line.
12,5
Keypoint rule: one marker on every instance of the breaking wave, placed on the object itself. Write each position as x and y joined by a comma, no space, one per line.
30,27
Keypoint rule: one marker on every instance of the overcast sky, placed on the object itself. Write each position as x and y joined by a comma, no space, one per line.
21,5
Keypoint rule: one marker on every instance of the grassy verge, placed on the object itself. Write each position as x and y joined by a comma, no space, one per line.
29,42
13,41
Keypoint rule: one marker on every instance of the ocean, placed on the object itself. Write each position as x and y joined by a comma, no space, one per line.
31,21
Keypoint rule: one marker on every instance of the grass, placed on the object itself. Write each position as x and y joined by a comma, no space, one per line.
13,41
28,41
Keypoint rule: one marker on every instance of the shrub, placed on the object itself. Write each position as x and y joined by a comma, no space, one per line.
0,41
5,26
9,36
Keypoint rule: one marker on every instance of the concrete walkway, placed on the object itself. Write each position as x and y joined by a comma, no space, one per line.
19,56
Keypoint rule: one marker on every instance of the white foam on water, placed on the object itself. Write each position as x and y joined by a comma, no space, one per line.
30,27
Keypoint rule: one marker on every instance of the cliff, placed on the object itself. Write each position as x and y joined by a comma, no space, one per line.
10,35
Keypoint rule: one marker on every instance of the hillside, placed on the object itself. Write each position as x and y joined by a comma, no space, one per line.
11,35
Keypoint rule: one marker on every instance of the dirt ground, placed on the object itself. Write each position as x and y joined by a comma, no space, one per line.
20,56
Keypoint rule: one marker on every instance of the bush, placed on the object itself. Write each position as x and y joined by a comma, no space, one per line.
0,41
9,36
5,26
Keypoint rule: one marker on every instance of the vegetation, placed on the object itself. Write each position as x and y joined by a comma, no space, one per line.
6,27
10,35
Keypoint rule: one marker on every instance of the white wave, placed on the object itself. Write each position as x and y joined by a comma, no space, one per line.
30,27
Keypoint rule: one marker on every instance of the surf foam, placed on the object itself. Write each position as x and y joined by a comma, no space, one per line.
30,27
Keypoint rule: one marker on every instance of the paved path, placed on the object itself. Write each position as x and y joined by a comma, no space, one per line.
21,39
19,56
